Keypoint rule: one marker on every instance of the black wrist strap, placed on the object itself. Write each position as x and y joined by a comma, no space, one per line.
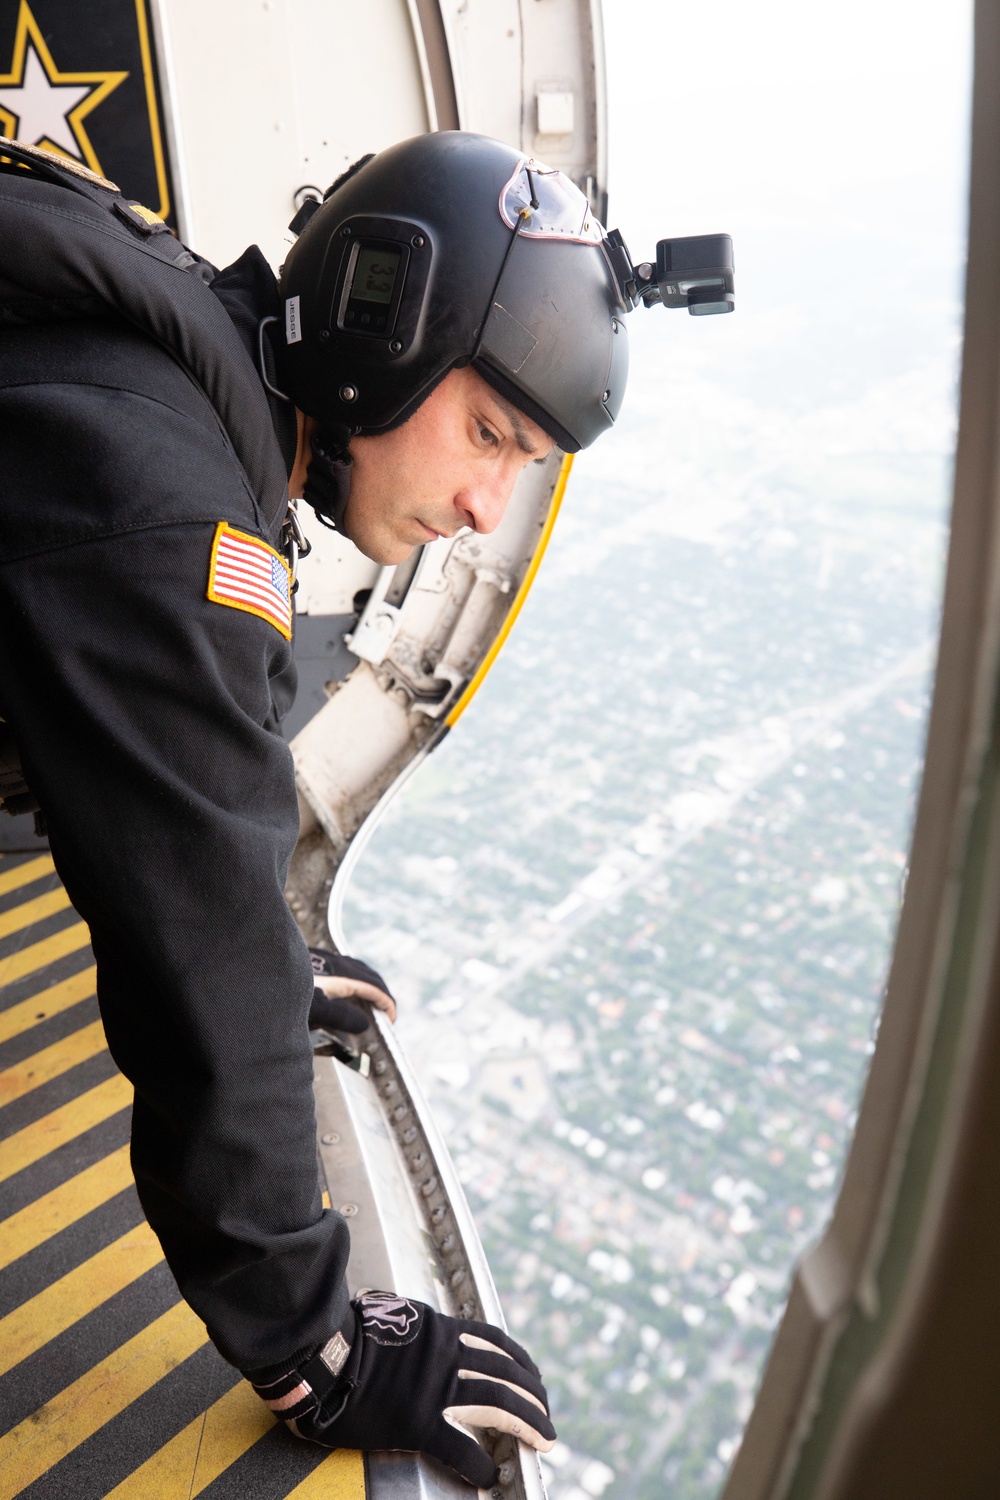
335,1366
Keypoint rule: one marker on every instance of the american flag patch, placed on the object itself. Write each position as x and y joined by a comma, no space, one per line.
246,573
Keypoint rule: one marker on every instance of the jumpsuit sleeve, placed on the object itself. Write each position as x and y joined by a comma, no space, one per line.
141,709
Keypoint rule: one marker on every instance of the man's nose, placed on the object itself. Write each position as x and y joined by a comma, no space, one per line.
487,500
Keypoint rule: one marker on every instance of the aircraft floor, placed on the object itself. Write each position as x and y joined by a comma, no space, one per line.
108,1385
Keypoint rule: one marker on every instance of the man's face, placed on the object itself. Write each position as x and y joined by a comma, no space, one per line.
452,464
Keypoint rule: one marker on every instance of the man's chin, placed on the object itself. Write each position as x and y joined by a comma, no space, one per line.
385,551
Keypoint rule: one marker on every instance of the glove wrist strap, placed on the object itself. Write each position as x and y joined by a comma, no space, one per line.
333,1366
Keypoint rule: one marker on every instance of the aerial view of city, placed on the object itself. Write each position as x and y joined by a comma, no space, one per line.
638,912
638,908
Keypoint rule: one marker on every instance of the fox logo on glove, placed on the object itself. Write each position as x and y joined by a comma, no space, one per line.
389,1319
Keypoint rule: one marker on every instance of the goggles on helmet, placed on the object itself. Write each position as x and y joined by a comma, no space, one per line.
540,202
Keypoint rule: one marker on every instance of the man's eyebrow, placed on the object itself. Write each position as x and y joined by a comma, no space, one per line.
516,421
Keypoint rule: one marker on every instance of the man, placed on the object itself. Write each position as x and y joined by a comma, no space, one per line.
448,315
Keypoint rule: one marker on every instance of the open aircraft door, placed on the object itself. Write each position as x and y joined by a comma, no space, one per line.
222,119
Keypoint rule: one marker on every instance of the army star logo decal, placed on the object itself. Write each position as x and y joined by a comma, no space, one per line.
41,106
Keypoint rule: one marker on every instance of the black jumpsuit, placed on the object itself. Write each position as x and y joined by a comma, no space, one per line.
146,719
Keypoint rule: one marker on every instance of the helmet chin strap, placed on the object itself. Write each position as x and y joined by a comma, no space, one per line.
328,479
328,482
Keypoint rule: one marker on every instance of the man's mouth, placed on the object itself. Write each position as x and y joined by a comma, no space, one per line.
432,534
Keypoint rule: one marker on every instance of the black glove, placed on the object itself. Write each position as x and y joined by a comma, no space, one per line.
399,1375
330,1013
335,1012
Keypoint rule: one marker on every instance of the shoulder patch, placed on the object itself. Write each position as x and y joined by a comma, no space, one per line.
247,574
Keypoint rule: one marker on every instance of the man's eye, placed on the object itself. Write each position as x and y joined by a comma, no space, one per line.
488,436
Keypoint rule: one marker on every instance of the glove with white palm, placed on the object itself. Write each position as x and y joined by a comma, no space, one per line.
400,1375
336,979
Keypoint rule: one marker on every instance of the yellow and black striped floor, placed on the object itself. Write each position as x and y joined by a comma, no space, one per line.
108,1385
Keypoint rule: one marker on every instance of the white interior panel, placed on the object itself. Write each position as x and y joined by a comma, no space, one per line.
484,38
505,54
272,94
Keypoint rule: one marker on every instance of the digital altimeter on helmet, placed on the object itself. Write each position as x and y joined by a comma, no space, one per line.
454,249
372,287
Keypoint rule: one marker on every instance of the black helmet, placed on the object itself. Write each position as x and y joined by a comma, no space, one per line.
446,250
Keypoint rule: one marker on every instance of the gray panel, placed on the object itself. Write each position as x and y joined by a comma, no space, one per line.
321,657
411,1476
18,836
391,1248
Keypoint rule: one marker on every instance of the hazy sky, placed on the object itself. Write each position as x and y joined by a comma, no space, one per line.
783,113
831,142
